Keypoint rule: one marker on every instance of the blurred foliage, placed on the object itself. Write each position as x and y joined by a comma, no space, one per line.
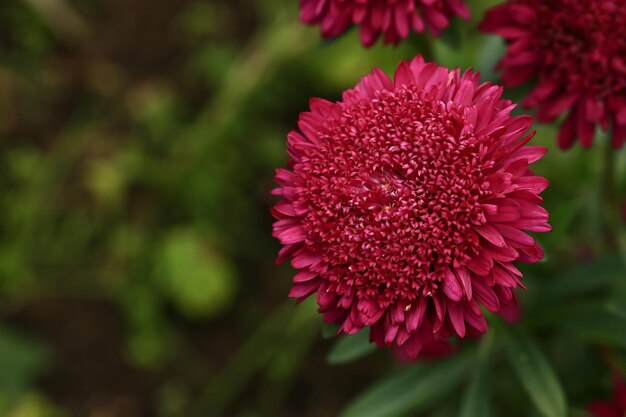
139,139
21,360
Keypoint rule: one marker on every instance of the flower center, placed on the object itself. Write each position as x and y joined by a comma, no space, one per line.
391,195
583,42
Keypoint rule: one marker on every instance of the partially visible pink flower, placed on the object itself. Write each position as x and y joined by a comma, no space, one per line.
405,206
576,51
395,19
616,407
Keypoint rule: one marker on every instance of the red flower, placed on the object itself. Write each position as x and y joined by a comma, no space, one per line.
406,204
614,408
577,51
393,18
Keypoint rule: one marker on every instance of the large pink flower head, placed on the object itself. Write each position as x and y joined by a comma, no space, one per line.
406,205
393,18
576,49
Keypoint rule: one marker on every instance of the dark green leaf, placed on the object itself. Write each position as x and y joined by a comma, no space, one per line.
590,311
411,390
476,399
587,277
608,330
351,347
594,321
534,372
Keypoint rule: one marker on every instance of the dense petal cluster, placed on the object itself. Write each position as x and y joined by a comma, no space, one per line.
576,49
616,407
393,18
406,205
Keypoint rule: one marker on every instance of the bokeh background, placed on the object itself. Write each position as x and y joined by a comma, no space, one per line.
138,144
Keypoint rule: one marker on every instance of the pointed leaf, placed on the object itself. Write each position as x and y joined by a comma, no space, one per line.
476,401
351,347
593,312
411,390
534,372
586,277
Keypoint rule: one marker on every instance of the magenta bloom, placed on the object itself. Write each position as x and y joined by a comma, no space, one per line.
576,50
616,407
393,18
406,205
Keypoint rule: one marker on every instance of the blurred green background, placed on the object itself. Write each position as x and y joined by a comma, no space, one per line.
137,277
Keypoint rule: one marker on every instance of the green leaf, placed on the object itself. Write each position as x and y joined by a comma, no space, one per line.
592,321
476,400
411,390
587,277
603,324
534,372
609,333
573,314
351,347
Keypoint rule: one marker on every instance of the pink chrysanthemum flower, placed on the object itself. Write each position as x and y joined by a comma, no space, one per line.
576,49
614,408
393,18
406,205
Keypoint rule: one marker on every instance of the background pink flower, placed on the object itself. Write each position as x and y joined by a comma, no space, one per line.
616,407
393,18
406,205
576,51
